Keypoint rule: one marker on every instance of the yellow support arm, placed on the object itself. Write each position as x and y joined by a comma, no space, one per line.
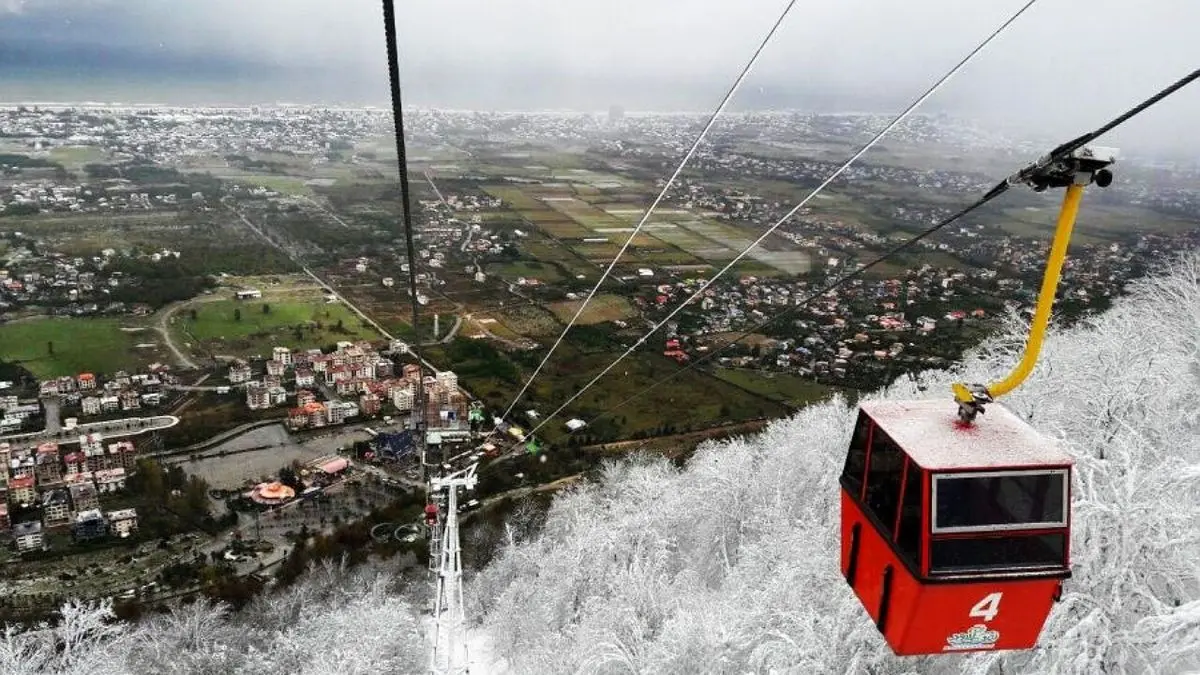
1041,315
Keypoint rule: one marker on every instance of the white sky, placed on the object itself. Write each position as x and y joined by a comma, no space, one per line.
1065,65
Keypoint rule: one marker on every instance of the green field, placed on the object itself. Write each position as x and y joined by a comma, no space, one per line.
786,388
288,185
75,156
218,331
80,345
693,400
543,272
602,308
1094,225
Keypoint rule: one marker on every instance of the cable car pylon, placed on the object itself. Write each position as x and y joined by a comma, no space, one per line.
449,655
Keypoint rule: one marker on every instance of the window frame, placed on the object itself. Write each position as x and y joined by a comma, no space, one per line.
936,477
935,571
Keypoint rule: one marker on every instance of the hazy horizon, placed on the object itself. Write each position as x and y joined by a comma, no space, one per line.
1062,68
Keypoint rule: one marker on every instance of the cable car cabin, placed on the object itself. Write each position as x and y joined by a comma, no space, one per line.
954,537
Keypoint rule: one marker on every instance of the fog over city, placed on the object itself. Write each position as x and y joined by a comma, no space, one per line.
1063,66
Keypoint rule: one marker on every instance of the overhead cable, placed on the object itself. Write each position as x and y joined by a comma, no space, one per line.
853,158
646,217
1000,188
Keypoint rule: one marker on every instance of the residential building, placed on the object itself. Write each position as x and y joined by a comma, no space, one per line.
123,523
282,355
88,525
126,456
56,508
240,372
448,380
90,405
130,400
21,491
48,468
110,480
337,413
369,404
258,396
305,378
403,399
28,536
22,464
87,381
83,497
76,463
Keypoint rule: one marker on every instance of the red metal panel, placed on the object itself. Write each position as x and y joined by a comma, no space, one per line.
943,618
977,616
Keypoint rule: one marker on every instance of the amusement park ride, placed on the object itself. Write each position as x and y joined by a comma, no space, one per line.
955,534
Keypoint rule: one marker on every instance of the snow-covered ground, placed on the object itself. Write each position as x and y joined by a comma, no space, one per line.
730,565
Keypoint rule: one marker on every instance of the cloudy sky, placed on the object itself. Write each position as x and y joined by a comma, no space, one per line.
1064,65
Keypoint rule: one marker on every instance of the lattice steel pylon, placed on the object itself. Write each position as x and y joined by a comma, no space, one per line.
449,654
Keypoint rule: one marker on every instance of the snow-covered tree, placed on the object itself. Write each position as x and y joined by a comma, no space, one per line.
731,564
335,621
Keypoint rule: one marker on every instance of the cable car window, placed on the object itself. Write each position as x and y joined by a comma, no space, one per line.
998,553
856,458
999,500
884,471
909,540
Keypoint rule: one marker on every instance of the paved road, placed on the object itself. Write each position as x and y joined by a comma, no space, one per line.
128,426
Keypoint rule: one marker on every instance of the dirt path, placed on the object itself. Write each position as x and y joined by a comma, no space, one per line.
163,323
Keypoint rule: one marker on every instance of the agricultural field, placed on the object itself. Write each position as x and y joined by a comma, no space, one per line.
50,347
791,390
672,237
73,157
528,320
692,400
1096,224
602,309
288,185
253,327
544,272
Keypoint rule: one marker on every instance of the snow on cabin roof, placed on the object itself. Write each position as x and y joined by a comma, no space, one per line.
929,431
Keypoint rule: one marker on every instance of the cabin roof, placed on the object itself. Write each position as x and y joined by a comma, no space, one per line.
930,432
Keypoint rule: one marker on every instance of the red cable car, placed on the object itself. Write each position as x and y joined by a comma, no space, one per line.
954,537
431,514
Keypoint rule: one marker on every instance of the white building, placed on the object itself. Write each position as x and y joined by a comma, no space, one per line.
403,399
123,523
28,536
448,379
